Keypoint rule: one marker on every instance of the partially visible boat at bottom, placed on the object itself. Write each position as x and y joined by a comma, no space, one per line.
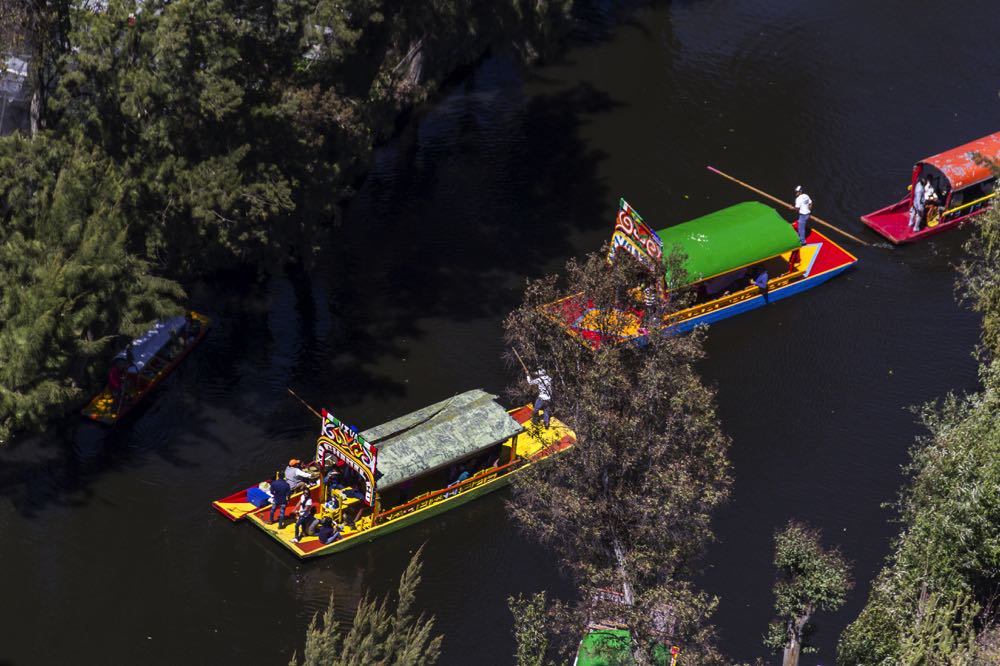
406,470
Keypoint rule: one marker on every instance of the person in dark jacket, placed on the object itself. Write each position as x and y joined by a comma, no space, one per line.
280,490
327,533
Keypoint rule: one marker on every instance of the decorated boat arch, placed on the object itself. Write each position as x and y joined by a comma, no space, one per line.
734,260
407,469
963,184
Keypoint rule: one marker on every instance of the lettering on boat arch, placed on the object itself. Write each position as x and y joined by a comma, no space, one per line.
341,441
633,234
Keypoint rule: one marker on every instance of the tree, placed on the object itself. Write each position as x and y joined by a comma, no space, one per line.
379,633
530,620
70,283
628,508
810,578
945,562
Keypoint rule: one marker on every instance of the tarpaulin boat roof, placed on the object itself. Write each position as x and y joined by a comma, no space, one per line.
729,239
958,166
152,341
439,435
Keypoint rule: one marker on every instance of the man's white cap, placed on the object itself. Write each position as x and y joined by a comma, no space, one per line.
798,188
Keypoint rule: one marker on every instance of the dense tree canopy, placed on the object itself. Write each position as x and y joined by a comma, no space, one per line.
629,507
171,138
943,575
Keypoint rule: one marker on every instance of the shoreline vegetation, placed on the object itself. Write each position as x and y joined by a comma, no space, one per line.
935,600
170,139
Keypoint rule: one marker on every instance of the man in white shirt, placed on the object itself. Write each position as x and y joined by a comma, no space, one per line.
917,206
804,205
544,384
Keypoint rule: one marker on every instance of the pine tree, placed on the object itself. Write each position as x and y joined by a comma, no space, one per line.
379,633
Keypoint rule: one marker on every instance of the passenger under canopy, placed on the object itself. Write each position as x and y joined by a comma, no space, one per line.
438,435
729,239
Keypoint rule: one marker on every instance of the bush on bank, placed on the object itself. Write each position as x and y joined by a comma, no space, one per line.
937,591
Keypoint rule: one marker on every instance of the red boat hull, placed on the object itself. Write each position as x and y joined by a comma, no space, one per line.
892,223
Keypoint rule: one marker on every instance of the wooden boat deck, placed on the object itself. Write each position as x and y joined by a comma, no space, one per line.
892,222
534,443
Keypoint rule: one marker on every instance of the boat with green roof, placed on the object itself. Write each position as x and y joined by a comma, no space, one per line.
734,260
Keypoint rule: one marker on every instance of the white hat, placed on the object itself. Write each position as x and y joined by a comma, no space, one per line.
798,188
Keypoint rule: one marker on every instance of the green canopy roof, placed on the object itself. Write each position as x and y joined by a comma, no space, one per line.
438,435
730,238
613,647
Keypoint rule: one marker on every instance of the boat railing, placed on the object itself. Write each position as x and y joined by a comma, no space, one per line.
436,496
951,212
742,295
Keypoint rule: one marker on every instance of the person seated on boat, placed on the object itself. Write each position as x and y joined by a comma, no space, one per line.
297,477
931,199
334,478
463,474
304,514
760,281
328,531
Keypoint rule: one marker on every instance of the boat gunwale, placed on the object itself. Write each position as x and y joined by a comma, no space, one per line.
852,259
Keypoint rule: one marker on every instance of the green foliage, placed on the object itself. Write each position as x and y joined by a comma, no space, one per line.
810,578
629,507
69,283
381,633
173,138
949,547
530,621
942,633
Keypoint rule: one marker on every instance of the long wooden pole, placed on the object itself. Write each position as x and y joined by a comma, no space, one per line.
520,361
304,403
786,205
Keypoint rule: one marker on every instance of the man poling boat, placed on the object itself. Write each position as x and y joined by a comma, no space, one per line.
735,259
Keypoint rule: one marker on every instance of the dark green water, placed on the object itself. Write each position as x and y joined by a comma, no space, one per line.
110,552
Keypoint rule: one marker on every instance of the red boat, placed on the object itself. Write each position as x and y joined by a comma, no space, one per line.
964,188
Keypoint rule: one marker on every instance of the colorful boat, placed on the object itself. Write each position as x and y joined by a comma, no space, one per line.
964,189
408,469
609,641
147,361
608,646
726,251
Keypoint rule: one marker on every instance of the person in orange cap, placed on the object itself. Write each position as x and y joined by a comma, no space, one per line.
297,477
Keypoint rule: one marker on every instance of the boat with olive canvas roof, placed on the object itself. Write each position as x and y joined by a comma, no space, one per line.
407,469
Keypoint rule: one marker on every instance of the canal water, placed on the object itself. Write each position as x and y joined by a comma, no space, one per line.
110,552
